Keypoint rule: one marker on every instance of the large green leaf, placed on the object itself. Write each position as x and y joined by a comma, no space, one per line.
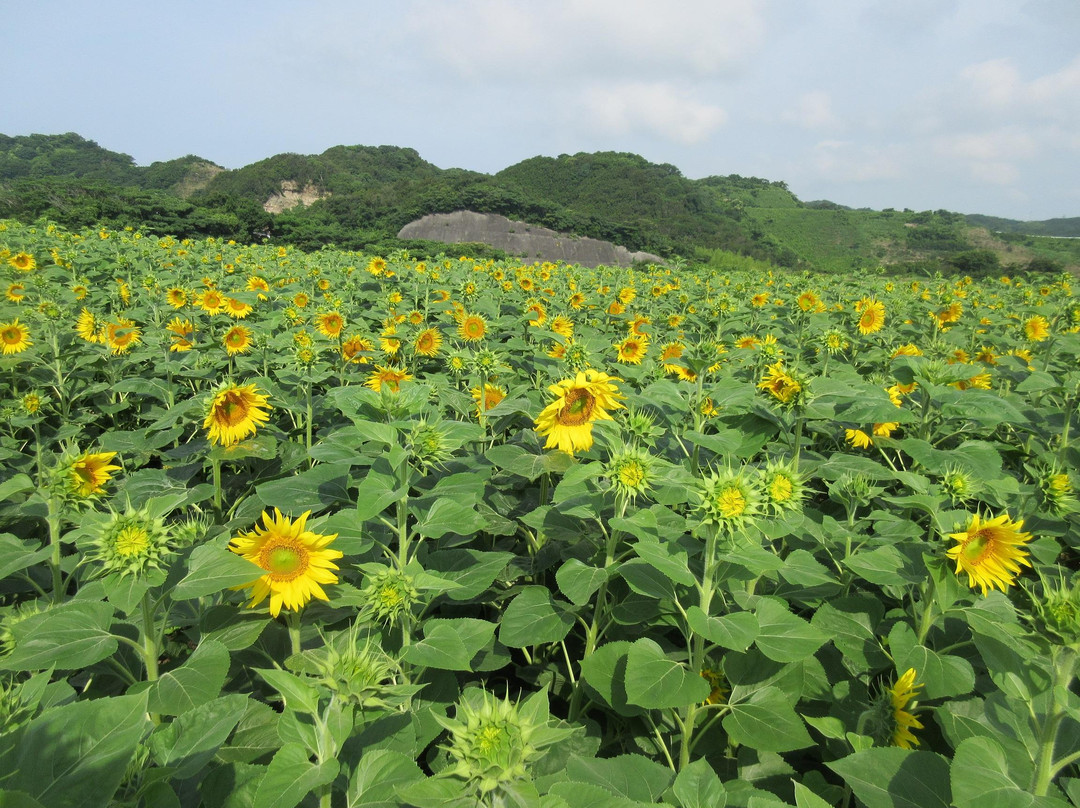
189,742
311,490
851,624
450,644
17,555
68,749
942,674
767,722
979,775
698,786
783,636
534,617
654,681
578,581
448,515
632,776
291,776
377,775
70,636
472,570
213,567
736,630
891,777
196,682
604,670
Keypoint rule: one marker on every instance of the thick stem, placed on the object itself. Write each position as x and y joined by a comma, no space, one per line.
1063,662
292,620
149,639
926,621
53,519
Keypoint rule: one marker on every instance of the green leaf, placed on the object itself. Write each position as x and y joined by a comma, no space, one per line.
604,670
377,775
782,636
18,484
191,740
534,617
311,490
70,636
472,570
213,567
891,777
805,798
17,555
578,581
632,776
234,628
663,557
448,515
297,693
736,630
697,786
18,799
942,675
980,776
196,682
377,491
767,722
851,624
291,776
653,681
883,566
69,748
646,580
450,644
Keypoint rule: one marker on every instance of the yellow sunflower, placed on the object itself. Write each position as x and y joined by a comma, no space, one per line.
1036,328
389,376
176,297
567,421
472,328
901,693
14,337
23,262
16,292
182,333
872,318
428,342
563,326
121,335
235,413
490,398
297,562
237,340
352,349
858,438
237,308
300,300
780,384
990,552
632,350
90,472
210,301
330,324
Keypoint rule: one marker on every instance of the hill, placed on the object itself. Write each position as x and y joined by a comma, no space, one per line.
360,197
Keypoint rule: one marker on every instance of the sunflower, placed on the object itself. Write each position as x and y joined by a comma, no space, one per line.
237,340
330,324
490,398
809,301
563,326
14,337
535,312
872,318
210,301
235,413
89,472
121,335
297,561
615,308
632,350
23,262
472,328
176,297
16,292
900,694
858,438
885,429
990,552
428,342
567,421
637,325
389,376
300,300
1036,328
237,308
576,301
257,284
353,348
781,385
182,333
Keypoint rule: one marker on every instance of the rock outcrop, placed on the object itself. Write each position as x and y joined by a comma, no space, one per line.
531,242
291,196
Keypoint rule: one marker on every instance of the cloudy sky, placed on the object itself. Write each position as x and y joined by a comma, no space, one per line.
969,105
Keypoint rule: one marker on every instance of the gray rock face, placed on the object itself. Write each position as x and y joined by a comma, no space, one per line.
518,238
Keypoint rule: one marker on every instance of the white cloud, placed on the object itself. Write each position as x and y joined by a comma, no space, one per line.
812,110
654,108
847,161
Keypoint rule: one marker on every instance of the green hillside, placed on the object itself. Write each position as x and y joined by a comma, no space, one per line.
359,197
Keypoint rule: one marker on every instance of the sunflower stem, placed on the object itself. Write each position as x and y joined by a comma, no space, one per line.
292,621
926,620
1063,663
53,519
215,465
149,642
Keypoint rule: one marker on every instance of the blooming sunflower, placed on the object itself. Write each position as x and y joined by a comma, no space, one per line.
330,324
237,308
182,333
990,552
389,376
472,328
237,340
490,398
563,326
352,349
210,301
781,385
632,350
235,413
567,421
23,262
900,694
858,438
16,292
428,342
89,472
14,337
121,335
1036,328
872,318
297,561
300,300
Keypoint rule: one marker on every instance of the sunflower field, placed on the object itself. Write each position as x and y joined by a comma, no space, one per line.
330,529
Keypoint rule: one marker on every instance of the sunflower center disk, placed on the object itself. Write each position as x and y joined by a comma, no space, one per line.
578,408
232,409
132,541
977,546
284,562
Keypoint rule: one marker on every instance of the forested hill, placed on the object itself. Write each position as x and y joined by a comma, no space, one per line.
359,197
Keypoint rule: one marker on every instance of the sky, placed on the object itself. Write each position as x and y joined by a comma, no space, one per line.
968,105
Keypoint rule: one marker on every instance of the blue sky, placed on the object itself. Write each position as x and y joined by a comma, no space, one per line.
968,105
